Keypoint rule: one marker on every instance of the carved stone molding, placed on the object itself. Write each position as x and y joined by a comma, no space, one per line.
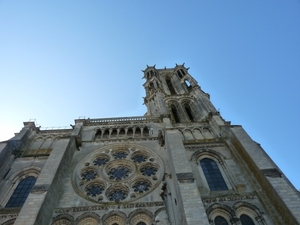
40,188
272,172
202,146
108,206
228,198
185,177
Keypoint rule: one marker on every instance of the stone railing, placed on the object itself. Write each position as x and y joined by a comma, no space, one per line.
64,129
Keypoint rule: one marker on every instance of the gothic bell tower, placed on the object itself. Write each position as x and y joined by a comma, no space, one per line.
175,92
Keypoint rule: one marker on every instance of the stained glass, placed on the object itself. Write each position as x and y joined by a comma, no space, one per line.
139,158
148,170
118,173
213,175
21,192
100,161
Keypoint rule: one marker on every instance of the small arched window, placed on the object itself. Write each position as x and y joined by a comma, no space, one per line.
146,132
219,220
137,132
106,133
21,192
213,175
122,133
246,220
98,134
129,132
114,133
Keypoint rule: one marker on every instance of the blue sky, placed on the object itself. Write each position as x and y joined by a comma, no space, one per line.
60,60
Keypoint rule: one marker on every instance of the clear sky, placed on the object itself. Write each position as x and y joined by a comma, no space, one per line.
60,60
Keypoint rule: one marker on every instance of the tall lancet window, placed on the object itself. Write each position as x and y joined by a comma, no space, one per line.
175,115
21,192
213,175
189,112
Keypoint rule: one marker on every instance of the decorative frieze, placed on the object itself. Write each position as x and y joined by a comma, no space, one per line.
228,198
106,206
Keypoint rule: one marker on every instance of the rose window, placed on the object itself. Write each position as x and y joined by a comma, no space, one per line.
101,161
148,170
119,173
138,158
141,186
89,175
120,155
94,189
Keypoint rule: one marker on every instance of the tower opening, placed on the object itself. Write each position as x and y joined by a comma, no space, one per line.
187,84
189,112
175,115
170,86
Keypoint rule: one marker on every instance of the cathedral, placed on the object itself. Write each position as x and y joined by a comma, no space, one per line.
179,164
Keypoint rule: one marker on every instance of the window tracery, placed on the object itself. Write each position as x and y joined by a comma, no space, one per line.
94,189
120,155
89,175
117,173
148,170
141,185
101,160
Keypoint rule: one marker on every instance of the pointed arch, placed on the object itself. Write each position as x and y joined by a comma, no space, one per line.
105,134
122,132
98,134
137,132
213,175
20,194
130,132
114,133
8,194
212,170
145,132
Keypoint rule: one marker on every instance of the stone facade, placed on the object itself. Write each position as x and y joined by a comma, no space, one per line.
181,164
